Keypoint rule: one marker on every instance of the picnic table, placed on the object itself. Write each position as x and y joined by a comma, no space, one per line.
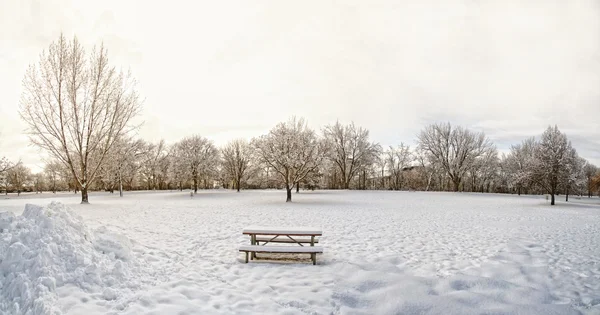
292,235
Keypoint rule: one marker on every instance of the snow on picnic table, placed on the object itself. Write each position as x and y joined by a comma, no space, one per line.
385,253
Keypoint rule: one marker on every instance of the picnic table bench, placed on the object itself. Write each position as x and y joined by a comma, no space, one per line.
290,235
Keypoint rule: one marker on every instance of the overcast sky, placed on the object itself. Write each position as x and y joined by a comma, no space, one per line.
228,69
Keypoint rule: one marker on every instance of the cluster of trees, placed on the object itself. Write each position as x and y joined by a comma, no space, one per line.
80,111
291,155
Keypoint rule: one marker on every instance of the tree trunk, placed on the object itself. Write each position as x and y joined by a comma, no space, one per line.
120,186
456,184
567,195
297,187
237,184
195,184
289,193
84,195
552,199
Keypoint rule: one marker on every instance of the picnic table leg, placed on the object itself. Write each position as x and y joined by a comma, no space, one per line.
312,240
253,254
246,257
314,258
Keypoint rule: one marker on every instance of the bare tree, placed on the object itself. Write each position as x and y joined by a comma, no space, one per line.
351,150
589,170
122,159
52,170
39,182
429,167
397,160
291,150
484,169
77,106
236,157
18,176
154,157
573,173
518,162
552,155
197,155
455,149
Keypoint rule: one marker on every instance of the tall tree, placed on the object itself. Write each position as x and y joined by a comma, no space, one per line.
351,150
236,157
77,106
552,155
455,149
292,150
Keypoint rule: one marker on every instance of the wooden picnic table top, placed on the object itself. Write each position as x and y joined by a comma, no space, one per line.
282,230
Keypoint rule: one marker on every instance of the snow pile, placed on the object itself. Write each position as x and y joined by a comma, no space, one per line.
49,247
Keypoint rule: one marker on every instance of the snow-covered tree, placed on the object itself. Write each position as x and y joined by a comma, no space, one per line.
484,169
154,164
590,171
177,167
518,163
573,175
351,150
123,159
198,156
291,150
52,172
455,149
39,182
76,106
397,159
236,157
18,176
429,168
552,157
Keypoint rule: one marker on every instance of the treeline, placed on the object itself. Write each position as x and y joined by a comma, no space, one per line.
291,156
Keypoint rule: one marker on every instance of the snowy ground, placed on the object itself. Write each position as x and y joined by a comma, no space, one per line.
385,253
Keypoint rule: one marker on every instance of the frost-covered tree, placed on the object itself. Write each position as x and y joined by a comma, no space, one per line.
552,157
589,171
351,150
454,149
484,169
154,164
573,175
429,168
292,150
198,157
397,159
122,160
39,182
177,167
76,106
52,172
518,163
18,176
236,157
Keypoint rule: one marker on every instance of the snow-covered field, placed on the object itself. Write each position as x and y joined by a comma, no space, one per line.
385,253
